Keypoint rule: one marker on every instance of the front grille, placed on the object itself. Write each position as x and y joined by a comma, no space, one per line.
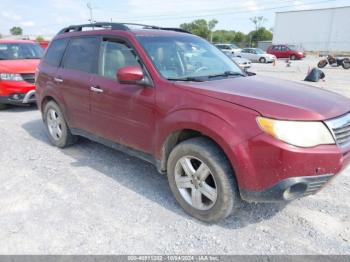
340,128
29,78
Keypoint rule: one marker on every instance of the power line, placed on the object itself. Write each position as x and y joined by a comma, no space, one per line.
225,13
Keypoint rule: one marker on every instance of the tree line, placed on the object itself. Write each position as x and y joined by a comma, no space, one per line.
205,29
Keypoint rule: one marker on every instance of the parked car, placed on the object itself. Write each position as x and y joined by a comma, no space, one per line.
242,62
229,48
18,61
44,44
285,51
257,55
175,100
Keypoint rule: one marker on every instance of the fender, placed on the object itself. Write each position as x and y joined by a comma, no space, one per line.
229,137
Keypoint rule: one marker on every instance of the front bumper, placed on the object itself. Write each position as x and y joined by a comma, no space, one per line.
19,98
288,189
265,165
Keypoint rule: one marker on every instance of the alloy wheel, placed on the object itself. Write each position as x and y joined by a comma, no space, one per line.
54,124
195,182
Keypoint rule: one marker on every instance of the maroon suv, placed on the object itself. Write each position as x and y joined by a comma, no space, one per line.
177,101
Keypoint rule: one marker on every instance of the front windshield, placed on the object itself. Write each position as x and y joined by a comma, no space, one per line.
233,46
259,51
14,51
187,57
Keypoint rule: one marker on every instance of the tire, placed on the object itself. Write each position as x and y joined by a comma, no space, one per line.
3,106
322,64
346,63
293,57
56,126
202,154
262,60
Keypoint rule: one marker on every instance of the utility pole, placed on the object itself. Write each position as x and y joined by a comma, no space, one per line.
89,6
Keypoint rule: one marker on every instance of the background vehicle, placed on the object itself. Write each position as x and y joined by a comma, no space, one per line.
335,62
285,51
18,62
256,54
177,101
242,62
229,48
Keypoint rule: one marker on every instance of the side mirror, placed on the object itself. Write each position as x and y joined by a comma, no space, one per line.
130,75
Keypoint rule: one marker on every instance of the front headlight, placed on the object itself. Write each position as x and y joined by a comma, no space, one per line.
11,77
297,133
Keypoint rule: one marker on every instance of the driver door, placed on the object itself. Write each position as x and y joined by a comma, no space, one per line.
122,113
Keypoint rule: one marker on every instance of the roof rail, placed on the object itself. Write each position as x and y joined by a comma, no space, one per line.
116,26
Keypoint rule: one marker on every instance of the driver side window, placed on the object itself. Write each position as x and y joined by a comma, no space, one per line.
115,55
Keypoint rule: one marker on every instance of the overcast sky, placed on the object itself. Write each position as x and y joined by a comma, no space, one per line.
46,17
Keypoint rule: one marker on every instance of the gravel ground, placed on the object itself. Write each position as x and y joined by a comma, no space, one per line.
89,199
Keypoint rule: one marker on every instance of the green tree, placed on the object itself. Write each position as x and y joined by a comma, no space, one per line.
239,37
39,38
262,34
16,30
198,27
223,36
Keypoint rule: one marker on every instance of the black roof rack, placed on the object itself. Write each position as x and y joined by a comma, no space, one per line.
116,26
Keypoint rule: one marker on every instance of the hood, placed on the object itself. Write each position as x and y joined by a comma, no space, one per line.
275,98
240,59
19,66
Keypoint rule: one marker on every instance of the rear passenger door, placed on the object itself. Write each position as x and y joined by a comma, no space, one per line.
74,79
122,113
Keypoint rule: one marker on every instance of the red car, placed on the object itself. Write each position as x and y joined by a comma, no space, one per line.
285,51
18,62
175,100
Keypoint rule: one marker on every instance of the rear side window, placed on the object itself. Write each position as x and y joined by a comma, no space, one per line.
55,52
115,55
82,54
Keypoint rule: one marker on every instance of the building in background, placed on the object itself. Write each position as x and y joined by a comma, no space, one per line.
322,30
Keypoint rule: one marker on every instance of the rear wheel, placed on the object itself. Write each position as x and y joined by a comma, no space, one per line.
322,64
3,106
57,128
202,180
262,60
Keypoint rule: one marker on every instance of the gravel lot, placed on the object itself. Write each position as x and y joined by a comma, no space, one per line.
89,199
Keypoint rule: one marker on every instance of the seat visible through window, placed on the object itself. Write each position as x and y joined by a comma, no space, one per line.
115,56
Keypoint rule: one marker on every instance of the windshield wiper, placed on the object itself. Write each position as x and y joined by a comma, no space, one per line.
32,57
190,79
227,74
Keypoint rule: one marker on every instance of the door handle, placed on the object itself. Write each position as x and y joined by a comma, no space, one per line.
96,89
58,80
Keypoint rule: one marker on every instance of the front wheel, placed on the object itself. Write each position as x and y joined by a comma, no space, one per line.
293,57
56,126
201,179
262,60
346,63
